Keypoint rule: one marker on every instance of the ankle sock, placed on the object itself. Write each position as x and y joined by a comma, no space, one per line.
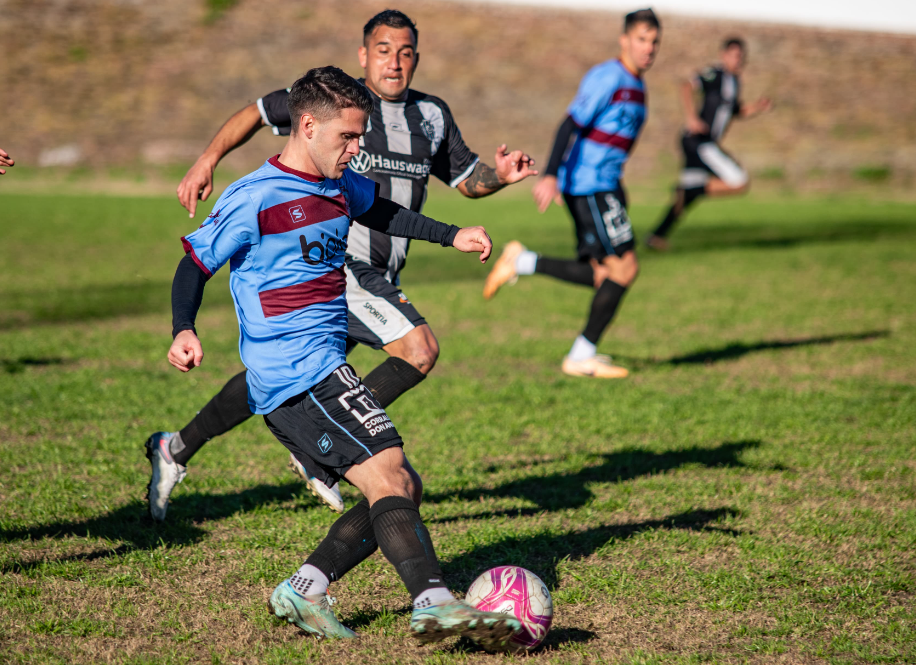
436,596
309,581
526,262
582,349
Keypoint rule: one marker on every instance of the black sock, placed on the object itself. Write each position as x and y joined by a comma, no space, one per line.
685,198
228,409
604,306
577,272
350,541
391,379
405,542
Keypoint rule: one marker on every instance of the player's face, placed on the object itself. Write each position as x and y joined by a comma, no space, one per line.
639,46
389,59
733,59
336,142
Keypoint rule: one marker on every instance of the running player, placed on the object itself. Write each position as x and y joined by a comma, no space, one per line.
411,135
708,169
585,170
283,229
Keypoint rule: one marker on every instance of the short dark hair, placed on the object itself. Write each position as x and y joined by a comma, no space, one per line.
393,19
324,92
641,16
734,41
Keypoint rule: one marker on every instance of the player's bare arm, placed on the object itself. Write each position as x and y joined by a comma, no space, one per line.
511,167
5,160
197,183
762,105
692,120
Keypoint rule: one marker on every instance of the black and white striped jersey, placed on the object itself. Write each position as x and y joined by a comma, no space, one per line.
405,143
721,99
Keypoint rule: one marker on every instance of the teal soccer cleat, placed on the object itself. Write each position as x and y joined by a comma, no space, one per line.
490,630
311,613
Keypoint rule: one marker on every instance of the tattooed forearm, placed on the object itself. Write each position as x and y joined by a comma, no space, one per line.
482,181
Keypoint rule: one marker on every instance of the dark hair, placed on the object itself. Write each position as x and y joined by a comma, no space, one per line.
641,16
324,92
393,19
734,41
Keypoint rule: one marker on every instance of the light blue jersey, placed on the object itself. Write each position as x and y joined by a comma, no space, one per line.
284,234
610,109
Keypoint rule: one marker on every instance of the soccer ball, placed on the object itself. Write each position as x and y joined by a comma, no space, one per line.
519,592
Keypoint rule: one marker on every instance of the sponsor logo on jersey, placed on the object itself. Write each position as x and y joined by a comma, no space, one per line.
322,250
403,298
364,161
325,443
297,214
377,314
428,129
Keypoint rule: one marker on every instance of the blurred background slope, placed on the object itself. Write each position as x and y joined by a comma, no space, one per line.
114,85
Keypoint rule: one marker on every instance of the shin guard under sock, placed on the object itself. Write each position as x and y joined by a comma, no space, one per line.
350,541
405,542
604,306
391,379
226,410
577,272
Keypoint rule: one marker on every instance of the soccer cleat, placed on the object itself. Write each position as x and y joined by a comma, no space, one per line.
504,270
491,630
598,366
311,613
658,243
330,496
166,473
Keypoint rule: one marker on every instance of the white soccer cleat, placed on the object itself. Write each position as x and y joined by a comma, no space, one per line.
597,366
330,496
504,271
166,473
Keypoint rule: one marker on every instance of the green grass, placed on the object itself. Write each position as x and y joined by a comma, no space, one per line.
747,495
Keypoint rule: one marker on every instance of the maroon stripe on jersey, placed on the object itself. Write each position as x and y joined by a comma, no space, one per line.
299,213
616,140
188,248
288,299
629,95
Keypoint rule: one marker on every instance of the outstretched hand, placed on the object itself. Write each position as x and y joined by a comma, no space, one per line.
474,239
546,191
196,184
186,353
513,166
5,160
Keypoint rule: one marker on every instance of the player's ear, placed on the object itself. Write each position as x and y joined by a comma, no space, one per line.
307,125
362,53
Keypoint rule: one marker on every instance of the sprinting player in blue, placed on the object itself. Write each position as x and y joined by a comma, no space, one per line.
283,229
585,170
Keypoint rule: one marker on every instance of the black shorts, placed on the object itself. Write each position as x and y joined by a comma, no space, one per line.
379,312
703,158
333,426
602,224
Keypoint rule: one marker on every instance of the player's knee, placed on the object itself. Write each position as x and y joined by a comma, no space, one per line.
424,353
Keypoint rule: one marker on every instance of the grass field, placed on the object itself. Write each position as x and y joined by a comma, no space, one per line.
747,495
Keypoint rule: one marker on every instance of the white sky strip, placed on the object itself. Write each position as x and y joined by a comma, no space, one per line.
881,15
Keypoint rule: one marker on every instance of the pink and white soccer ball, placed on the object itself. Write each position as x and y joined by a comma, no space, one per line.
519,592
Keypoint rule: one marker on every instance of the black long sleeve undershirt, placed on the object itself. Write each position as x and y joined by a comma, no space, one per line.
385,216
566,132
187,294
395,220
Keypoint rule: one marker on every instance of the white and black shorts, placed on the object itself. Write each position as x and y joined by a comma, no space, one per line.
704,158
379,312
602,225
333,426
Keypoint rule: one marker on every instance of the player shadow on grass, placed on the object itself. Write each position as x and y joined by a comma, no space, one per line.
131,525
569,490
735,350
707,238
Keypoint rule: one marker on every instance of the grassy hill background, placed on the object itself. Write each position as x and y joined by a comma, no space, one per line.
126,87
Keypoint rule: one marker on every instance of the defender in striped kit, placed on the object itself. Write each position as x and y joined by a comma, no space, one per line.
410,136
585,170
708,169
